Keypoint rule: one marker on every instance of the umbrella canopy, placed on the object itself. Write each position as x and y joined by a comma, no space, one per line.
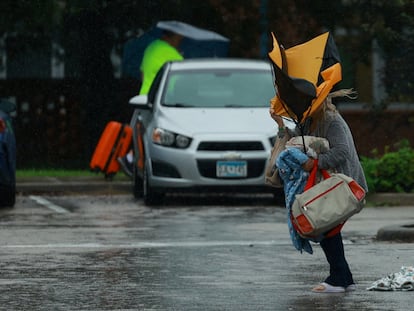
304,75
197,42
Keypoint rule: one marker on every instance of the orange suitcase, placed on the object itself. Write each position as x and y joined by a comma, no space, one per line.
114,142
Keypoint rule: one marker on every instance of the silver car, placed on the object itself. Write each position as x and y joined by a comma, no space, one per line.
204,125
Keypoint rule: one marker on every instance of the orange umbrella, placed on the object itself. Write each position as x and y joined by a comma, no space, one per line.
304,76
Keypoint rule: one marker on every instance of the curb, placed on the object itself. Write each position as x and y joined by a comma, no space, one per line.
391,199
397,233
102,187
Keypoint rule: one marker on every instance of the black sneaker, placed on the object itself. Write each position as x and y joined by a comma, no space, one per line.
125,165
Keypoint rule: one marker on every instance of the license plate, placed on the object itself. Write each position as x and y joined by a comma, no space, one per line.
231,169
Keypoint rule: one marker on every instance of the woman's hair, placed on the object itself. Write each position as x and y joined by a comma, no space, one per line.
349,93
328,106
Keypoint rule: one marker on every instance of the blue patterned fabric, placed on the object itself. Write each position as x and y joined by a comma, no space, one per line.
289,164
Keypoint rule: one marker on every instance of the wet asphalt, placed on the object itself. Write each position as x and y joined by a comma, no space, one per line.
103,250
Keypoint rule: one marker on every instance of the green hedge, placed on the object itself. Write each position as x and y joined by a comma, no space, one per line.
391,172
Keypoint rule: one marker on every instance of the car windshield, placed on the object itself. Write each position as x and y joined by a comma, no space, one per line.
219,88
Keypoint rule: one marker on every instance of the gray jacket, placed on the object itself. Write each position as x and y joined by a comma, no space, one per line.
342,155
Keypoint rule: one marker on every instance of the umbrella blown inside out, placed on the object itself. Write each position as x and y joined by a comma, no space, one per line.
304,75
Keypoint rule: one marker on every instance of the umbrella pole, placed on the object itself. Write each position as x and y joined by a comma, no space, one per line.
301,127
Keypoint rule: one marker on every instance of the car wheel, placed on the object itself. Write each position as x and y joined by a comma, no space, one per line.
7,196
137,187
150,194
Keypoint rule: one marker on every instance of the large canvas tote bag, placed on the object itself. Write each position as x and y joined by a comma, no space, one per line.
327,204
271,172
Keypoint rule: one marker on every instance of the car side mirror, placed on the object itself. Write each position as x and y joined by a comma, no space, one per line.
140,102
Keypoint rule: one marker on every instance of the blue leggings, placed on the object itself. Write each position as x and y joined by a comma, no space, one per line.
339,272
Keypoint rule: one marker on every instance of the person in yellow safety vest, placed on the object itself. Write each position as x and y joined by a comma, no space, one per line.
156,54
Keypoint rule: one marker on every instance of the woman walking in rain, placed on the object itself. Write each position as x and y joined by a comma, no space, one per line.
307,100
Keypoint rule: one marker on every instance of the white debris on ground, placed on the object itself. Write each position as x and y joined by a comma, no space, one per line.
399,281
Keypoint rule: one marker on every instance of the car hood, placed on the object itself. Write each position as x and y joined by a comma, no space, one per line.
192,121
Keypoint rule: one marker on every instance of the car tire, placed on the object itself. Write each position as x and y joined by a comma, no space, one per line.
150,194
7,196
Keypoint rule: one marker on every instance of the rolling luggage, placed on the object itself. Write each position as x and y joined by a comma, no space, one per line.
114,142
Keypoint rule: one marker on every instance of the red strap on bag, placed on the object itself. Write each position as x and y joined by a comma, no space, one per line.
311,182
312,175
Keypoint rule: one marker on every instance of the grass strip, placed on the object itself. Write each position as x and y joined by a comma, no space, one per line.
53,172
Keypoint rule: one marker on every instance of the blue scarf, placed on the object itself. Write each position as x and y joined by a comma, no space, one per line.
289,164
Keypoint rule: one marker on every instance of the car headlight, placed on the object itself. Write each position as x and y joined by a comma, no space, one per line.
170,139
182,141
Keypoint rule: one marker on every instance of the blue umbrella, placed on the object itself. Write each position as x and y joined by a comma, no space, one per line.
197,43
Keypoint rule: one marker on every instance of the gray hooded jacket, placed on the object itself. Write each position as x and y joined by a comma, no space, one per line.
342,156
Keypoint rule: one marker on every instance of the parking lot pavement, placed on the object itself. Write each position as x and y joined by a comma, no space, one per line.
369,259
123,184
112,252
402,230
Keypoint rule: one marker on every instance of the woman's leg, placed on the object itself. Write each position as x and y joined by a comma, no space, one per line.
339,274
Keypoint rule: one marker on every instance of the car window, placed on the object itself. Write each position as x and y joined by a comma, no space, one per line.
219,88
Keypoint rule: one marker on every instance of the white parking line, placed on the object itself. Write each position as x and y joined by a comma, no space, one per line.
143,244
48,204
147,244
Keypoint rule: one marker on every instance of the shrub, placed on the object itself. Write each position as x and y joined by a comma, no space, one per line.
370,169
393,172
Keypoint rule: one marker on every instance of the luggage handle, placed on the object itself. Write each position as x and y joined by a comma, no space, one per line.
114,151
